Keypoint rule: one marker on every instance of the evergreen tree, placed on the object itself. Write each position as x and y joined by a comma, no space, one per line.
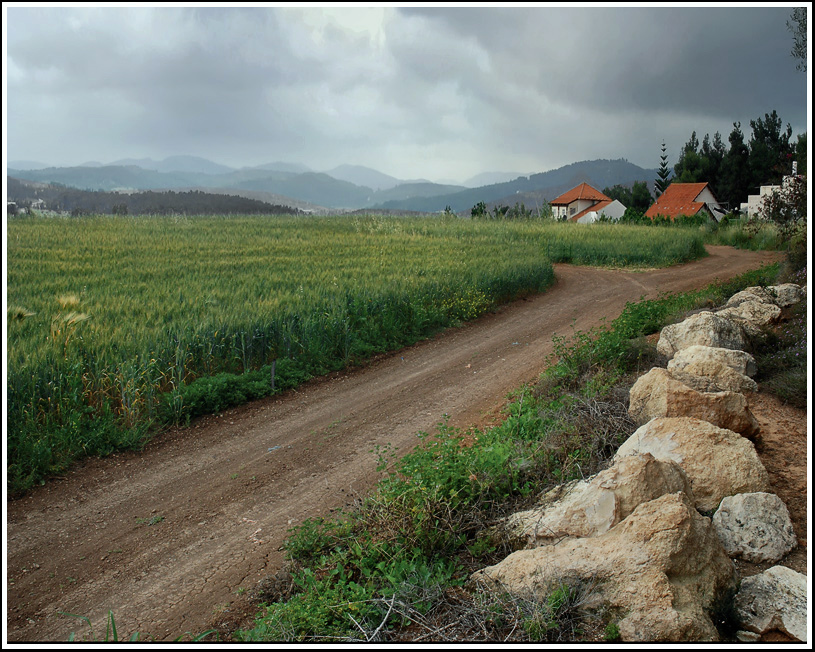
688,168
701,164
711,161
734,184
770,151
620,193
801,154
641,199
637,197
663,174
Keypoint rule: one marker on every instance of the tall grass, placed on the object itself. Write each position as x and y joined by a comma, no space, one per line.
742,234
120,324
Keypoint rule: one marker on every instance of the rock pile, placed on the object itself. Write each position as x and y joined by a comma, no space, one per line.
654,535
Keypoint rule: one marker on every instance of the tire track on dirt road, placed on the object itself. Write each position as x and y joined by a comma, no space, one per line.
170,538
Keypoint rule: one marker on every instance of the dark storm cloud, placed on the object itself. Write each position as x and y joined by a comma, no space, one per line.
415,92
693,59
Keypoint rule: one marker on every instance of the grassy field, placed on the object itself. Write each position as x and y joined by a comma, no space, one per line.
118,325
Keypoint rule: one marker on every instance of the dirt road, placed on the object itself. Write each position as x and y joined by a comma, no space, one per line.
175,539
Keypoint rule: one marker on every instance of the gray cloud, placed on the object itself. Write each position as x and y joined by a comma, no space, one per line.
414,92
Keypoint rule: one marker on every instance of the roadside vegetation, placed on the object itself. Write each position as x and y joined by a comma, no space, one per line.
396,567
119,326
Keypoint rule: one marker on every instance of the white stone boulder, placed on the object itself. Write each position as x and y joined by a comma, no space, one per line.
713,369
592,507
788,294
754,293
755,527
752,315
717,461
726,380
783,295
698,357
705,328
662,566
658,394
775,600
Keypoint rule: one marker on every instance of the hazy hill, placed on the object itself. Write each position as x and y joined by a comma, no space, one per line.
107,177
406,191
490,178
281,166
27,165
270,198
324,190
193,164
361,176
313,187
599,173
186,201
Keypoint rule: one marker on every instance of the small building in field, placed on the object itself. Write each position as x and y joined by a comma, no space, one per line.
612,209
754,206
686,199
583,200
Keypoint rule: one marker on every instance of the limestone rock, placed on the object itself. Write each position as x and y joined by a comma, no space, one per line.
590,508
662,566
774,600
752,315
705,328
782,295
726,380
697,358
755,526
713,369
717,461
788,294
658,394
754,293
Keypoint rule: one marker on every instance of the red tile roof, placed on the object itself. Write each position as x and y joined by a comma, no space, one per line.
583,191
596,207
678,199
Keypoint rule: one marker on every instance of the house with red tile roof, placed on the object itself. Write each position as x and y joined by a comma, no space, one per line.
584,204
686,199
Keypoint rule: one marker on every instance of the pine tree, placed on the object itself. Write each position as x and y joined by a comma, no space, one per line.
661,184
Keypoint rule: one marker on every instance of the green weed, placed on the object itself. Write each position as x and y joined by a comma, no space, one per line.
112,635
150,521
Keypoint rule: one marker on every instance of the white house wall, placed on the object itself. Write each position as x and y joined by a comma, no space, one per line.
613,211
752,207
710,203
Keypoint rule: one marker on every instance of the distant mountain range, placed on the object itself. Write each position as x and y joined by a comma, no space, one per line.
346,187
544,186
490,178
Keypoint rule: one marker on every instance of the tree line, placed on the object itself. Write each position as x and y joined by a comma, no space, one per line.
62,199
740,169
733,171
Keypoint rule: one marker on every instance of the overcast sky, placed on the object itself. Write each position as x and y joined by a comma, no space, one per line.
436,93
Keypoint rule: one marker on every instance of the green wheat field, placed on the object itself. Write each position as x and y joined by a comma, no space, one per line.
118,326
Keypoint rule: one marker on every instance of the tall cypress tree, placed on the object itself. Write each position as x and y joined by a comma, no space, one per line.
662,182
